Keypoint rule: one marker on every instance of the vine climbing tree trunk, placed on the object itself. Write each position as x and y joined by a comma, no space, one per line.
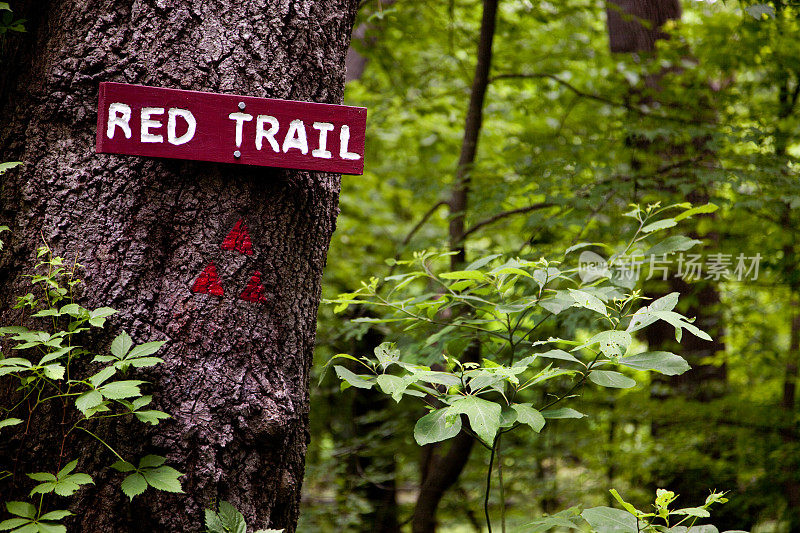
235,377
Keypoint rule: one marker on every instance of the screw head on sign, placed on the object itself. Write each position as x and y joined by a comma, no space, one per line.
237,154
241,106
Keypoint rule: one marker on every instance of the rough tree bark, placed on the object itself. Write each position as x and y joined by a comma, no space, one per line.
236,374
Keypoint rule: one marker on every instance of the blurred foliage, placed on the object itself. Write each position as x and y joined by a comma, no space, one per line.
711,116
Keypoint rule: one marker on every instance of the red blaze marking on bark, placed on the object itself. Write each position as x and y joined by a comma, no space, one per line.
254,292
208,282
239,239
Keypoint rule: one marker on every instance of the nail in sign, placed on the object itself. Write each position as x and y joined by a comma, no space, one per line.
158,122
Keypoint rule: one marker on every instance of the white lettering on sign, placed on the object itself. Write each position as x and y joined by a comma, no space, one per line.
160,127
187,116
148,123
119,115
344,140
296,137
269,134
240,119
324,128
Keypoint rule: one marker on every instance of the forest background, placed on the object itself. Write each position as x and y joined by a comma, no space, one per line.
697,103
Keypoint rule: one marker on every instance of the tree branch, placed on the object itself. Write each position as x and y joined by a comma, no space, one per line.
505,214
590,96
410,235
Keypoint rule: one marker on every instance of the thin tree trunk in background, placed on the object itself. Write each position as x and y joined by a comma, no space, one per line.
235,377
635,25
789,428
472,130
440,472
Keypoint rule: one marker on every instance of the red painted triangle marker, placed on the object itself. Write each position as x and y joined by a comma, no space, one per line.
239,239
254,292
208,282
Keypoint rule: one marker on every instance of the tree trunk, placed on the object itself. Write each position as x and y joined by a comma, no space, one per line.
634,25
439,473
235,377
789,428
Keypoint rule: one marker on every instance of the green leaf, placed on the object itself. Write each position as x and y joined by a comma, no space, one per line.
678,321
609,378
50,527
69,467
563,412
232,520
118,390
151,461
361,382
46,312
123,466
133,485
708,208
436,426
98,317
8,422
564,519
526,414
661,224
13,523
139,362
141,401
23,509
55,371
482,262
52,356
643,317
391,384
386,354
628,507
163,478
72,310
102,376
507,416
608,520
121,345
464,274
42,476
68,486
30,528
213,522
676,243
55,515
665,362
589,301
87,401
693,511
151,417
4,167
43,488
483,416
612,343
559,354
145,349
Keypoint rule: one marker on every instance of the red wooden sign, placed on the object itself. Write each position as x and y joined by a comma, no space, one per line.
157,122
